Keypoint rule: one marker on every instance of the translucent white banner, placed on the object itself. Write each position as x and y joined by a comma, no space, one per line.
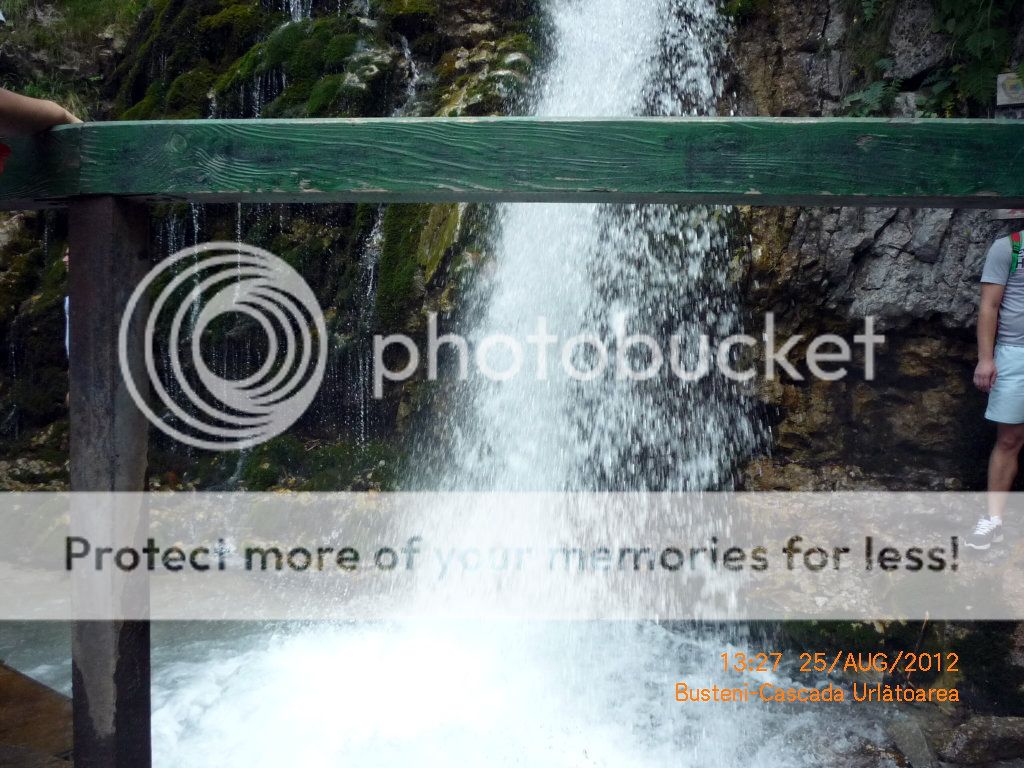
767,556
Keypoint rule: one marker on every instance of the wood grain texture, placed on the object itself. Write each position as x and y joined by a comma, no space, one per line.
110,669
941,163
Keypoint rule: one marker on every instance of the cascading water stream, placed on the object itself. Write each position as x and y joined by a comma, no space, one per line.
359,371
299,10
537,694
608,271
544,695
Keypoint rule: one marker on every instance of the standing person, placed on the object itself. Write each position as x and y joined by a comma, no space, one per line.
1000,373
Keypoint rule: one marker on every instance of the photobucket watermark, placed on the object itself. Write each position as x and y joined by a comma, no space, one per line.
624,356
192,289
187,297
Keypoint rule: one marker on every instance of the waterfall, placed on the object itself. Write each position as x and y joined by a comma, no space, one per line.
607,271
540,694
407,106
299,10
360,409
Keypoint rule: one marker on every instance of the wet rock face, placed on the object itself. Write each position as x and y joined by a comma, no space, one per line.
914,45
246,58
901,266
788,61
824,270
916,272
984,741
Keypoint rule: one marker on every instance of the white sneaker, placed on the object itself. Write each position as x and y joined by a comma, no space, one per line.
986,533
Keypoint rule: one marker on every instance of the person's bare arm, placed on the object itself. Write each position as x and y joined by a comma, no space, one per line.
23,115
988,319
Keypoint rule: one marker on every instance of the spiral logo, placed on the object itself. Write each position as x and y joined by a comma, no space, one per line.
197,286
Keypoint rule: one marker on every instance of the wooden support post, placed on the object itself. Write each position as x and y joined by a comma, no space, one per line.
110,659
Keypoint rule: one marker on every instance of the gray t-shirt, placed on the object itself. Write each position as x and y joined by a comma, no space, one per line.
1011,312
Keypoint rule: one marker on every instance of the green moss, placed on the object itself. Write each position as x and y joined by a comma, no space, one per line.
242,17
271,463
304,53
20,262
284,42
341,466
339,50
521,42
397,286
174,38
148,108
233,30
291,103
287,462
408,17
326,94
438,235
188,96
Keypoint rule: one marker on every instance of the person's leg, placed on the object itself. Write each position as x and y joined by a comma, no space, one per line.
1002,466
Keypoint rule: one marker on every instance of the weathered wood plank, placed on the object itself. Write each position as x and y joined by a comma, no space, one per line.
41,170
33,717
110,659
943,163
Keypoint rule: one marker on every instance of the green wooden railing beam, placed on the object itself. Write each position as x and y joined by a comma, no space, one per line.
753,161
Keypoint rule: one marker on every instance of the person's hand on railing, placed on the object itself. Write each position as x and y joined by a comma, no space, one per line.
23,115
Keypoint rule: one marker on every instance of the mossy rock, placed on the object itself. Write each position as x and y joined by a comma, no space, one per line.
286,461
227,34
293,102
397,284
337,95
411,18
439,233
417,238
150,105
20,263
188,96
173,38
269,464
325,64
487,80
339,50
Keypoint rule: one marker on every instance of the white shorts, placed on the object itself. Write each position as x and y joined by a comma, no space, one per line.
1006,400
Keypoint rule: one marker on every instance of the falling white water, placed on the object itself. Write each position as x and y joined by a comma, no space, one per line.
299,10
407,106
605,271
548,694
364,408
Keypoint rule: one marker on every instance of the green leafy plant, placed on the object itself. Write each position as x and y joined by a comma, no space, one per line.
877,97
981,35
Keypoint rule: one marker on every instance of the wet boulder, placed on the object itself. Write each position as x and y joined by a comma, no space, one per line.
985,740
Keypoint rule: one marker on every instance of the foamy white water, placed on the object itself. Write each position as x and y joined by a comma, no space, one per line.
469,695
503,694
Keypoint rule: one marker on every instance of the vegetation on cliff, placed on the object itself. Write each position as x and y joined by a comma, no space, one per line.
188,59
